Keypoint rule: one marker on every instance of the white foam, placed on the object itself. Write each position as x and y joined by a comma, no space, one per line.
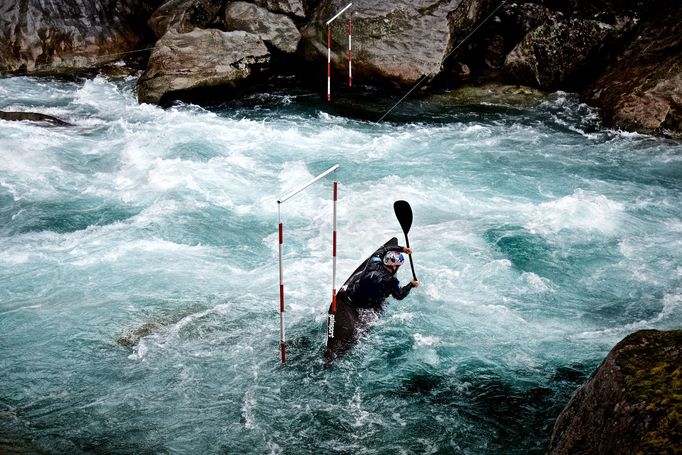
582,210
429,340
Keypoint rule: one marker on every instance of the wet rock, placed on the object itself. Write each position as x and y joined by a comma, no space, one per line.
491,93
632,403
184,15
642,90
39,37
393,42
33,117
560,52
132,336
289,7
183,62
276,30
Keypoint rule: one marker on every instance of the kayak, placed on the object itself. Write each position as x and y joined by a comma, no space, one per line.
347,325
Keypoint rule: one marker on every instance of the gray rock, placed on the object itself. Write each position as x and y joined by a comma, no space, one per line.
276,30
48,37
632,404
558,52
289,7
642,90
184,15
394,42
33,117
199,59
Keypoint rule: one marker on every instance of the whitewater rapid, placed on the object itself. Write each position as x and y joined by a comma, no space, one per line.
541,239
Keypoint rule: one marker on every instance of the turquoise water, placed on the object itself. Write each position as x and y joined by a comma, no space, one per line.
138,262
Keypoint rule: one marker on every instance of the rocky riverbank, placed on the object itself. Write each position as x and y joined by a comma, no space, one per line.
632,403
624,57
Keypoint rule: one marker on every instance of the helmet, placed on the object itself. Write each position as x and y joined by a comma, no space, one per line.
394,258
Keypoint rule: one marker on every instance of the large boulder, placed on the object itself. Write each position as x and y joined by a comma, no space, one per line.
276,30
395,42
199,59
184,15
642,90
561,52
632,404
41,37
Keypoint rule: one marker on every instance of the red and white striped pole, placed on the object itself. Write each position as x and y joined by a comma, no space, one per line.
329,51
332,316
329,64
350,52
283,344
280,201
334,249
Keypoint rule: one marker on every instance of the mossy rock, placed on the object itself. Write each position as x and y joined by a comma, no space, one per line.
632,404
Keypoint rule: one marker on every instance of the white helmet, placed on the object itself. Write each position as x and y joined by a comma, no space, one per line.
394,258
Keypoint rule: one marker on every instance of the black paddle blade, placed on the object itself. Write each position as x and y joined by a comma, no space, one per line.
403,212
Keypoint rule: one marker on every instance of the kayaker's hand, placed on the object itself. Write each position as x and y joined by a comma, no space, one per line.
407,250
415,283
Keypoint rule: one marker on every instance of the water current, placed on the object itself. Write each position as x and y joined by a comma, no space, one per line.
139,307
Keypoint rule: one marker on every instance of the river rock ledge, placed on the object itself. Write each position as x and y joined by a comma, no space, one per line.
632,404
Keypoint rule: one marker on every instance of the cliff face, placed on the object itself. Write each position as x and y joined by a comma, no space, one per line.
623,56
642,89
632,404
46,37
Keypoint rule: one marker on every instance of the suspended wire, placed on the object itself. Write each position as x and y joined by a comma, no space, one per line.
99,59
424,77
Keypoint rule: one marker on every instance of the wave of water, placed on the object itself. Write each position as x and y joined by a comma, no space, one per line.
138,262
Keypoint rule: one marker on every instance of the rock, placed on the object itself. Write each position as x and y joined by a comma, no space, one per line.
289,7
276,30
132,336
184,15
559,53
632,403
491,93
41,37
394,42
642,90
33,117
201,58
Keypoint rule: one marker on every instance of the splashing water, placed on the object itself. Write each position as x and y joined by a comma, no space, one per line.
138,262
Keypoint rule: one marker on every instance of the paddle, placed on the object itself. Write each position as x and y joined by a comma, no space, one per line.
403,212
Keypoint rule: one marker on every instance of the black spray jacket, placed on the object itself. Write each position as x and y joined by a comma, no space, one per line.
370,287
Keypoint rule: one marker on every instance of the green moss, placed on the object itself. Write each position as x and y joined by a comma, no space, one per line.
653,378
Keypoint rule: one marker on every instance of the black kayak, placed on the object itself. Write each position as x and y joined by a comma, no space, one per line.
346,326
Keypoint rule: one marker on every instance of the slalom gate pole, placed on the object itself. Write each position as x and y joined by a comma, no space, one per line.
350,52
334,249
283,345
329,64
280,201
332,316
329,51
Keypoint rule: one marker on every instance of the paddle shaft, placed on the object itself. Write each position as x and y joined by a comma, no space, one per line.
407,244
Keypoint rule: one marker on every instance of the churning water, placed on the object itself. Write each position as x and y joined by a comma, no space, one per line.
139,282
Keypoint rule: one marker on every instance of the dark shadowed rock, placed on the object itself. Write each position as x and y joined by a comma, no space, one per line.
642,90
632,404
201,58
184,15
276,30
132,336
62,37
393,42
33,117
560,52
289,7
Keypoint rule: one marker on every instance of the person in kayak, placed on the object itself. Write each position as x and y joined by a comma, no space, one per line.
370,287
